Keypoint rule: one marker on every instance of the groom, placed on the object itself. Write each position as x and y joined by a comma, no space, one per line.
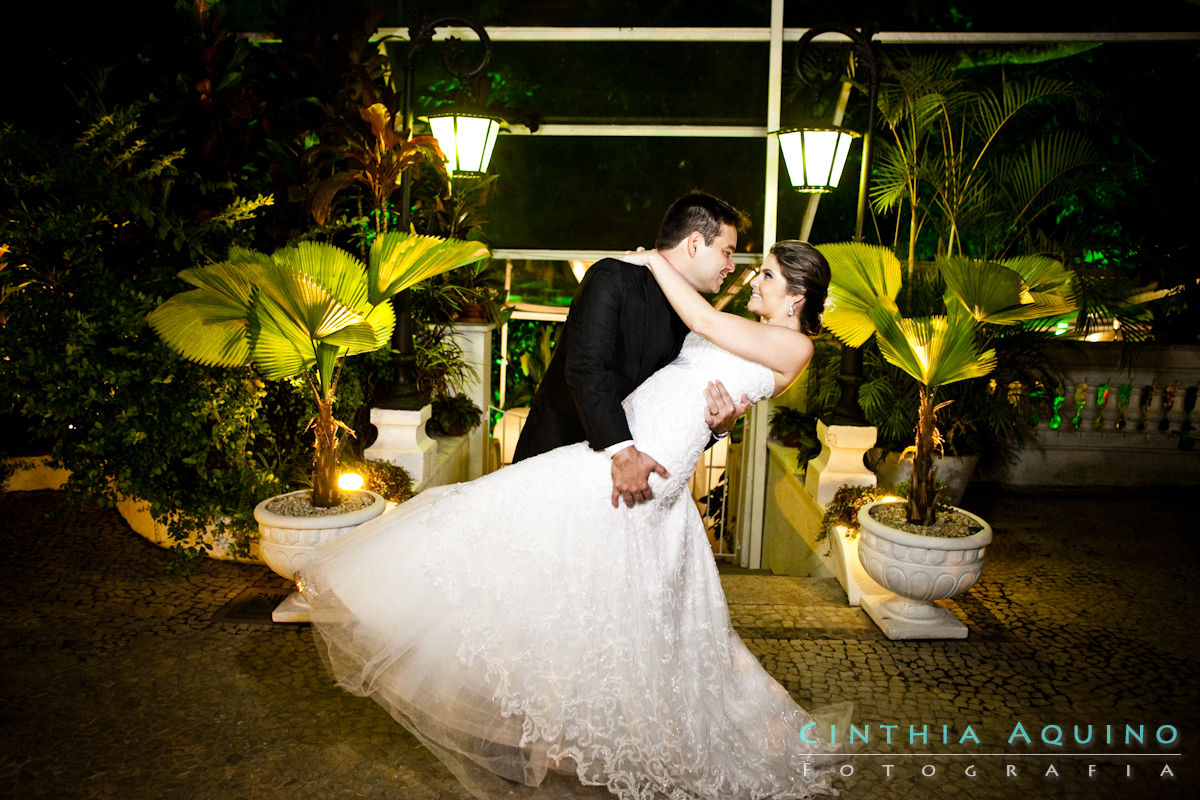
621,330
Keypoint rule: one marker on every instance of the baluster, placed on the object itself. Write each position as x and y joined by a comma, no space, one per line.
1176,415
1110,414
1154,409
1087,416
1135,415
1194,415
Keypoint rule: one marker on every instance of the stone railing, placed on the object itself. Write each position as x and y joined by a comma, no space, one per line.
1113,427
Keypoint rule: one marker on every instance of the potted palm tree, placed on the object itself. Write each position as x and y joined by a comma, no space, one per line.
922,549
300,311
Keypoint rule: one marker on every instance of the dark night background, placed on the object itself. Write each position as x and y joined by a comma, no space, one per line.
609,192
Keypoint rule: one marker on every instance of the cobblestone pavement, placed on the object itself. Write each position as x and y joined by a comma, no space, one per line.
123,679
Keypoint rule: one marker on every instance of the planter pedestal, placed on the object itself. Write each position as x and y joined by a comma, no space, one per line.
402,440
919,569
840,462
286,544
900,618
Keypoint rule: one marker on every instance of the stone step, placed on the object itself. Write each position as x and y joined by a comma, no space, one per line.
763,606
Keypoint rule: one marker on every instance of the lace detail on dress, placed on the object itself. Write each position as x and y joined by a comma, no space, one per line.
522,627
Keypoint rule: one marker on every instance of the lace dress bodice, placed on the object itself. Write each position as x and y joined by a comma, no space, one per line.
666,413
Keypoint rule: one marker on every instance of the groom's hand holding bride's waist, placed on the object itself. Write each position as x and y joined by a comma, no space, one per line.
631,467
631,470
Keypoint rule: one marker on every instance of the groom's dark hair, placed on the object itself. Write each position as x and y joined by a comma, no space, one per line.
697,211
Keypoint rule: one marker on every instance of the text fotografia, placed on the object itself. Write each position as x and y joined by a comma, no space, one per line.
1051,735
1056,751
974,769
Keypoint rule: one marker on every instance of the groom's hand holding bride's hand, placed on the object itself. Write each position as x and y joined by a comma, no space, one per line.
631,470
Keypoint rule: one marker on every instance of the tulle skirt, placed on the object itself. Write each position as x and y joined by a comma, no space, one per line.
544,644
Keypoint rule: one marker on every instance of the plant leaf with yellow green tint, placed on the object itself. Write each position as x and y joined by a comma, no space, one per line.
343,275
281,347
863,276
984,289
933,350
204,326
397,261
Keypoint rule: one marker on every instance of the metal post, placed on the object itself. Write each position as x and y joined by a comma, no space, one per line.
866,56
404,393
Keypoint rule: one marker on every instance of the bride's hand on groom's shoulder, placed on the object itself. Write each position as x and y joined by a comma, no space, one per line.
641,256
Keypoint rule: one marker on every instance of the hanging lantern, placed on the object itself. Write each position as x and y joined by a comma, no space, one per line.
467,140
815,156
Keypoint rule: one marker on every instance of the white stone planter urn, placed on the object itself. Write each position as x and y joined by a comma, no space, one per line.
286,544
919,569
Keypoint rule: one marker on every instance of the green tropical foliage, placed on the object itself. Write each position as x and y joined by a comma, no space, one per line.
937,349
299,311
952,162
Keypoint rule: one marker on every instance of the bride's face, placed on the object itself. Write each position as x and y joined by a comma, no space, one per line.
769,292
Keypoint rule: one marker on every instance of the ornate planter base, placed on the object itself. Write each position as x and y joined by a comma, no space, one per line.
920,570
901,618
286,544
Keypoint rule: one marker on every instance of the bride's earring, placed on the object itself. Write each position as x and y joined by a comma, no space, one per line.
791,312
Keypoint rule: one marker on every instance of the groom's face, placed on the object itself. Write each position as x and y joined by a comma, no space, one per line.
713,261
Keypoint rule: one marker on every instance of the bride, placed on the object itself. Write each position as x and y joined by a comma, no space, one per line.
545,644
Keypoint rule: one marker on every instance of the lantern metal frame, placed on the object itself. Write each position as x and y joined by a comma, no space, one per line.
478,155
811,180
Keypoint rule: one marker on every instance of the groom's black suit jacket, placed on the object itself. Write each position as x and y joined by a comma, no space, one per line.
620,330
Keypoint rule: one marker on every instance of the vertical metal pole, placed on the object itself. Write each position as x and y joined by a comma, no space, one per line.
404,392
754,440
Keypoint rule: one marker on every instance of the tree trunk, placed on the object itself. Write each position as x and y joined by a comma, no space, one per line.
923,493
325,458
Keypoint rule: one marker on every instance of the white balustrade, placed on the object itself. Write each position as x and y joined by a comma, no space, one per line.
1115,426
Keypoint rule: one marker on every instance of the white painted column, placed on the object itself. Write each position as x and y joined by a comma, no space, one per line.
475,339
402,441
754,441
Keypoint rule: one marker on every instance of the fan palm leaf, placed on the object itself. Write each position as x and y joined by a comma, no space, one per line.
983,288
204,326
1049,290
339,272
862,276
280,349
397,261
933,350
1043,274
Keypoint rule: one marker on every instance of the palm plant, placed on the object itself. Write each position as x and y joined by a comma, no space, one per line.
939,349
950,161
300,310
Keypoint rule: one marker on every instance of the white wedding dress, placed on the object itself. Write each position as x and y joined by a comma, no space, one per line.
543,643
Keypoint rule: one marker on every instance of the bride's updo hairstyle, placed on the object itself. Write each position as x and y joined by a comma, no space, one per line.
807,273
